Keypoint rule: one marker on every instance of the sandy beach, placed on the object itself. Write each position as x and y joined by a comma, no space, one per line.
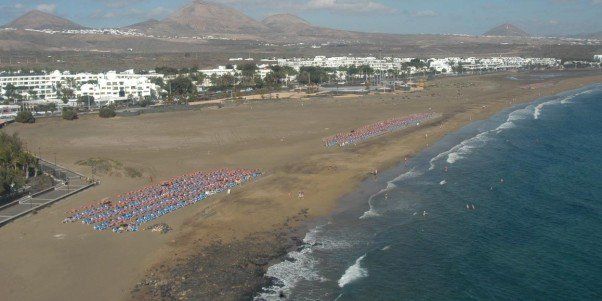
219,249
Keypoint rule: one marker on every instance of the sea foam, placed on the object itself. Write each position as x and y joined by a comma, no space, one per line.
465,147
354,272
300,266
372,212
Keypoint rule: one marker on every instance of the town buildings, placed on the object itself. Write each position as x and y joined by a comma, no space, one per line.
103,87
440,65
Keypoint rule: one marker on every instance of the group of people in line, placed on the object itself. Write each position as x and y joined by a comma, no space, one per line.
128,211
376,129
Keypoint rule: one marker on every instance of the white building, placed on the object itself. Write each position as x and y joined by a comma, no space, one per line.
219,71
112,86
104,87
442,65
383,64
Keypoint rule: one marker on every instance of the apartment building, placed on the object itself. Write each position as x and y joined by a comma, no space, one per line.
108,87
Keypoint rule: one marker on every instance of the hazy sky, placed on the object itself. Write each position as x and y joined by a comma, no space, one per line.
538,17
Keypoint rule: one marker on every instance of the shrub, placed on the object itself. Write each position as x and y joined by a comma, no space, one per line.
145,103
25,117
107,112
69,114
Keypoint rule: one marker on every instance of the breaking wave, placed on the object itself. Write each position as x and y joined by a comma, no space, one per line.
354,272
300,266
465,147
372,212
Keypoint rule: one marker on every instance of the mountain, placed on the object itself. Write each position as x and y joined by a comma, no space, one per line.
506,30
288,27
36,19
286,23
162,28
210,18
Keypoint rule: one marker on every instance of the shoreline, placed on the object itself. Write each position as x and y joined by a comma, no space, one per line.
357,201
221,248
353,187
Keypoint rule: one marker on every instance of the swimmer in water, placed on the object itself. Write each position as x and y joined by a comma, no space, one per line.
502,180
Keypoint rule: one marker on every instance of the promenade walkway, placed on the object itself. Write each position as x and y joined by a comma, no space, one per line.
69,183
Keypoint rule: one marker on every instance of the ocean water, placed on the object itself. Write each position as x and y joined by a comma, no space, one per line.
508,208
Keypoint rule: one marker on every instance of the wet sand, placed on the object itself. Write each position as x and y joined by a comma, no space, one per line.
220,249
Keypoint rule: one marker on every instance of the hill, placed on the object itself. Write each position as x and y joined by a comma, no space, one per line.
162,28
36,19
286,23
211,18
506,30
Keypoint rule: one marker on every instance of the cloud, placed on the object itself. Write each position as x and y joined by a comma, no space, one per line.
337,6
131,13
47,7
348,5
425,13
119,3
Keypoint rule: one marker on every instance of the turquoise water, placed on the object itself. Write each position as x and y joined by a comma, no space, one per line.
508,208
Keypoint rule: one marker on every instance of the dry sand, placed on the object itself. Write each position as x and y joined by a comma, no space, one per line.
221,240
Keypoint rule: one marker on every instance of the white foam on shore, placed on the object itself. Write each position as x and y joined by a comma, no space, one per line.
300,266
537,111
567,100
408,175
539,108
465,147
353,273
372,212
534,111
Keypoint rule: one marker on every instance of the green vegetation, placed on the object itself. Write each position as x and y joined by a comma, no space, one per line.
13,93
221,83
86,100
110,167
145,102
416,63
107,112
15,163
313,75
182,86
278,76
50,107
25,117
69,113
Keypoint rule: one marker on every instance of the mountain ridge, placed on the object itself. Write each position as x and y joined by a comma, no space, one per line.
36,19
506,30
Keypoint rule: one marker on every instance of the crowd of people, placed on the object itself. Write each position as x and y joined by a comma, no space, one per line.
126,212
376,129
